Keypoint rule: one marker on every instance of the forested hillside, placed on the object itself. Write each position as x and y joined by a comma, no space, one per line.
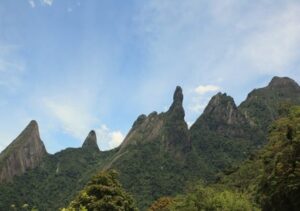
237,153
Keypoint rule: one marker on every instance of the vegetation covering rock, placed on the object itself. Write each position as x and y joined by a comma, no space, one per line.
103,192
160,157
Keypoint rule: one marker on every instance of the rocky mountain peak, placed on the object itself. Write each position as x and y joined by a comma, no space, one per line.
221,110
33,125
176,109
281,82
25,152
178,96
169,128
263,105
220,103
91,141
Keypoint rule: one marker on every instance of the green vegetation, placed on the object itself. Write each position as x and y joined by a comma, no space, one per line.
272,177
161,157
205,198
263,105
55,182
279,187
103,192
222,135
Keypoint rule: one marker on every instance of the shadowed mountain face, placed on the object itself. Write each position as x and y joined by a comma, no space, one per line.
56,180
90,142
222,116
263,105
222,135
25,152
226,134
272,176
153,153
168,128
158,157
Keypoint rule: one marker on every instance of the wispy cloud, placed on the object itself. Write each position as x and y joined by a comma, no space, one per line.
73,119
76,120
108,139
12,66
203,89
31,3
200,97
274,44
48,2
192,42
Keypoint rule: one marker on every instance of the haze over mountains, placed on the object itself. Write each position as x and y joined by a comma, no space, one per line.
160,155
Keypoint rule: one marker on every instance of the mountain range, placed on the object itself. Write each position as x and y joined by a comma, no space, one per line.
160,156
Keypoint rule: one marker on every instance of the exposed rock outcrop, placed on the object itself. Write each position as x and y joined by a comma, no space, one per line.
222,116
25,152
283,82
169,128
90,142
263,105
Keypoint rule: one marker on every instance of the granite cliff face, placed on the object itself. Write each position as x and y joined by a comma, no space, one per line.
24,153
169,128
222,135
222,116
155,147
90,142
158,157
263,105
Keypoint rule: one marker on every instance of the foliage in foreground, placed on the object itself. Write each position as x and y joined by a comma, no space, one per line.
103,192
206,198
272,177
279,188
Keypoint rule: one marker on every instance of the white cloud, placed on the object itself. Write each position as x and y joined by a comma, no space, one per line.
47,2
201,96
73,118
12,66
32,3
108,139
203,89
274,45
116,139
240,42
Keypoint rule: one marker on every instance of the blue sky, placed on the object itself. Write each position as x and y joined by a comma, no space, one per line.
77,65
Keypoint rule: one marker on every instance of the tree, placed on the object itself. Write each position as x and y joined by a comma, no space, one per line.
206,198
103,192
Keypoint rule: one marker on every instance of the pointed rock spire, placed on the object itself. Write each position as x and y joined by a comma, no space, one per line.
178,96
222,109
25,152
91,141
219,103
176,109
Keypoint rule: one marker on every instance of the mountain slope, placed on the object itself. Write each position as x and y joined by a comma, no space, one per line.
160,155
53,183
263,105
155,158
24,153
222,135
272,177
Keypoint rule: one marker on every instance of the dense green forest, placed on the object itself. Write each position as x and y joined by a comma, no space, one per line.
268,181
233,157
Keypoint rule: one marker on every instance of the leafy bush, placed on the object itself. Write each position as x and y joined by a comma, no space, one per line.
212,198
103,192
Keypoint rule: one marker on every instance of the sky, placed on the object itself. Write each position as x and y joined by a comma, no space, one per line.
78,65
